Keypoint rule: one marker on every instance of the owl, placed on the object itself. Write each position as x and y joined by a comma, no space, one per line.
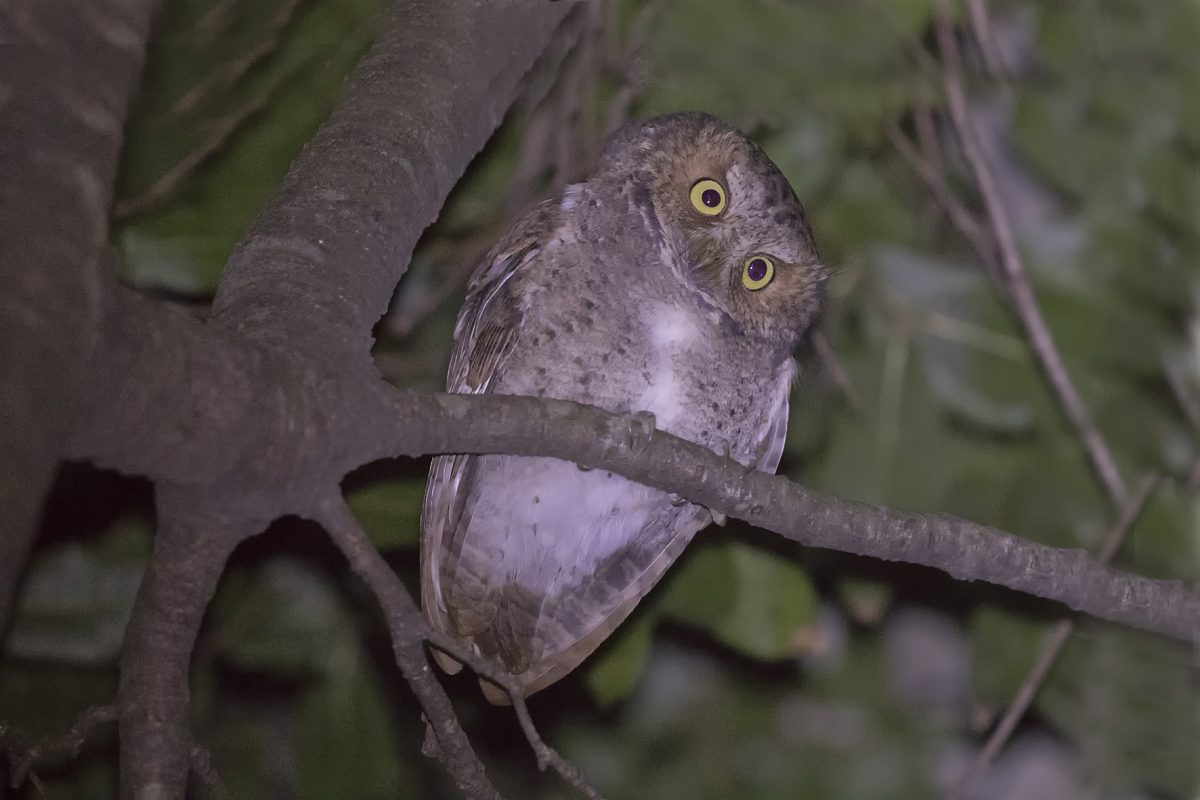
677,280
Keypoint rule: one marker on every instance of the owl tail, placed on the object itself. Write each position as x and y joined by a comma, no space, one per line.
510,640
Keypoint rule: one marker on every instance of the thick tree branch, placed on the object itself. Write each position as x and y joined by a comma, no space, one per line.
67,69
270,388
320,263
255,411
190,550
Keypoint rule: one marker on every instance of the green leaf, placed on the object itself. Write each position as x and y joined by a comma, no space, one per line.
390,511
241,126
280,619
78,596
346,740
750,599
613,673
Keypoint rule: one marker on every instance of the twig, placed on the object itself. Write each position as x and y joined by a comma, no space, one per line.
968,334
202,768
1051,649
215,21
546,755
837,372
1185,398
232,71
70,743
981,24
629,64
66,745
884,10
409,629
1016,282
1193,478
170,181
1013,270
935,179
452,266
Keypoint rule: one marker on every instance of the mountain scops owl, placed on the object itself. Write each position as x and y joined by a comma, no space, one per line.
676,280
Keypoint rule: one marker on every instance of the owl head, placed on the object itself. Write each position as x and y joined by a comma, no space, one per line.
726,216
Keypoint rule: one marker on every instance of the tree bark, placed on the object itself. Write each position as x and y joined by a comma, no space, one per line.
67,70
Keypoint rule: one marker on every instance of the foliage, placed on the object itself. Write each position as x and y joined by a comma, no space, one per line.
754,671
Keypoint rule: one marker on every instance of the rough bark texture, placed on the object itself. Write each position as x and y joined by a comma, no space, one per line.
67,69
190,551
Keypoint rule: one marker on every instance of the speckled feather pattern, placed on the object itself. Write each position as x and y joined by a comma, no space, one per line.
616,293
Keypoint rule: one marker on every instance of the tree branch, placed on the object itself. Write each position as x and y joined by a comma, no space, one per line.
67,70
1012,267
318,267
189,555
1052,647
414,424
408,632
1024,302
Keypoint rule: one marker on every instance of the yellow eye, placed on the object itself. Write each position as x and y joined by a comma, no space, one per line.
757,272
708,197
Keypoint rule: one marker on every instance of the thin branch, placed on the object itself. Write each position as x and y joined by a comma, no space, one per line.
981,25
883,9
1024,301
1185,398
202,767
69,744
1193,478
935,179
233,70
412,424
169,182
1052,647
1012,270
833,365
547,756
630,66
409,631
66,745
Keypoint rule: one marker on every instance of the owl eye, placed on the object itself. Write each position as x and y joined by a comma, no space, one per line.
757,272
708,197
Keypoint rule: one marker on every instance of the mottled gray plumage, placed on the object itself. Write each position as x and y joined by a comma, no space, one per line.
630,292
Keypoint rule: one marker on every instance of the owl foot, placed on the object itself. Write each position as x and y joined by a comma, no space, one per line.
639,429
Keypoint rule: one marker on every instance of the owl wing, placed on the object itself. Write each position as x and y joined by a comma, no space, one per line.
484,335
774,433
570,628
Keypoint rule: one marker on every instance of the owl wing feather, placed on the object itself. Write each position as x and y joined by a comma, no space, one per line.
580,621
484,335
774,434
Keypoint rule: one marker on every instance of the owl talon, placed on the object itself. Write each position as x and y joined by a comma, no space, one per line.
718,518
640,427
